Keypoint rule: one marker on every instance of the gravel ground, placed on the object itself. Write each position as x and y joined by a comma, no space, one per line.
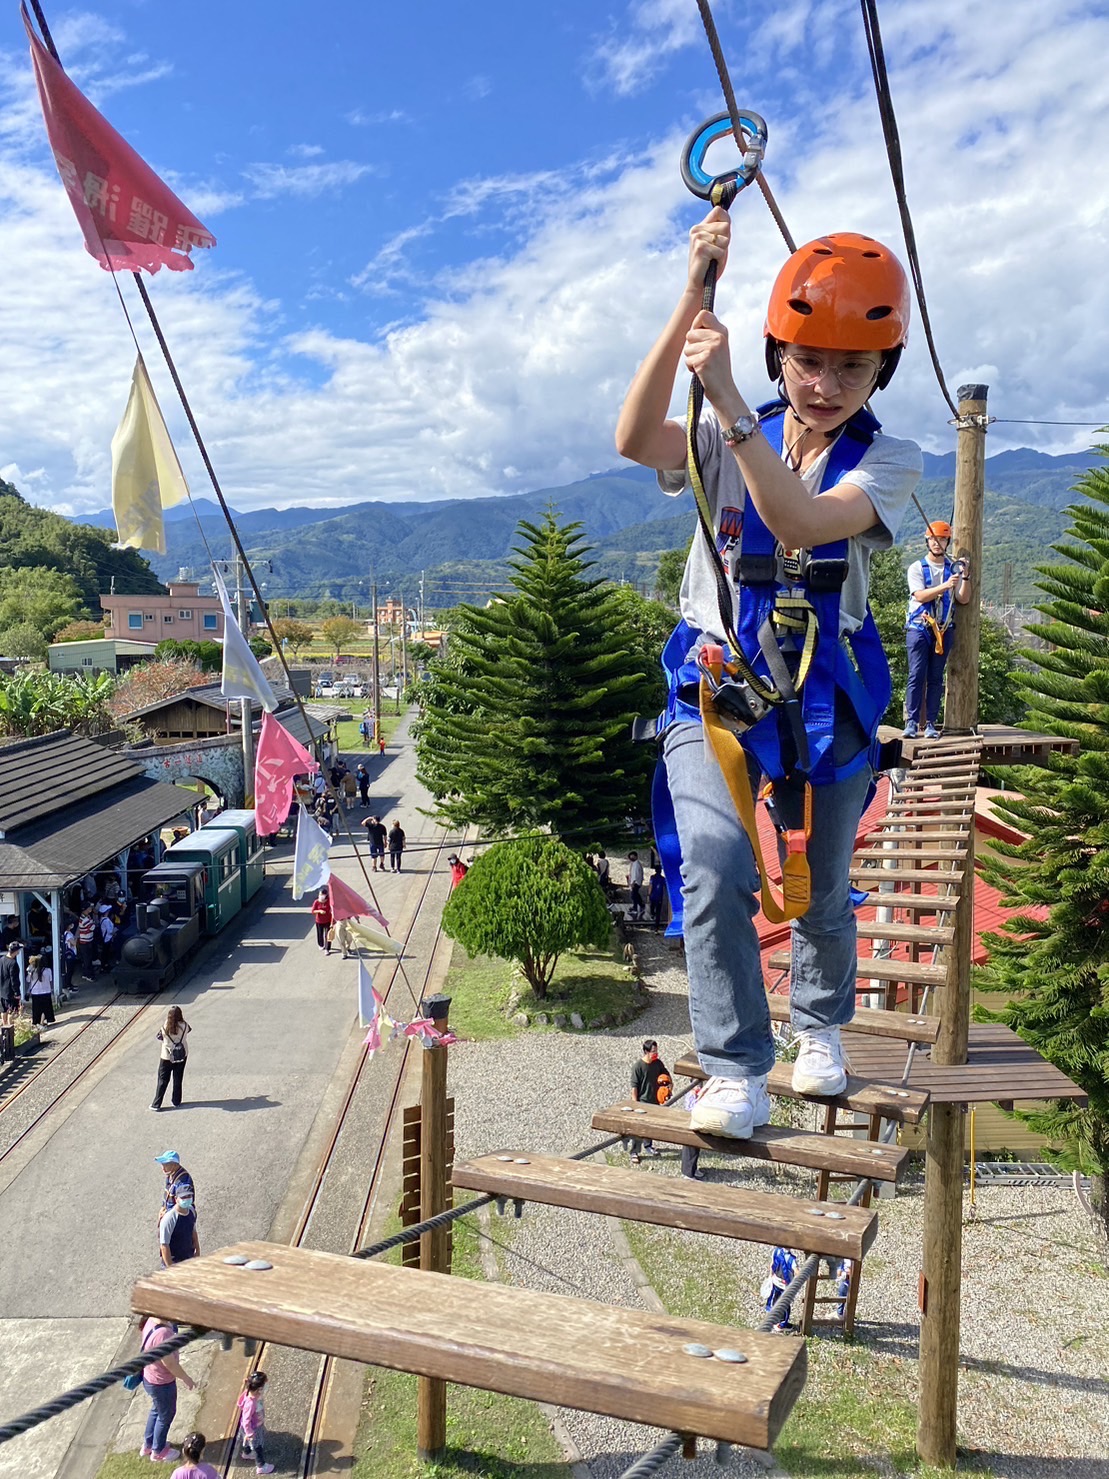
1036,1272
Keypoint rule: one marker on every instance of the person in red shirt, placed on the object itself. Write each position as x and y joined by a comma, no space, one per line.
458,870
321,913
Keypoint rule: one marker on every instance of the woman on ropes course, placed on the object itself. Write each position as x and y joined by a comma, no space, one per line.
810,676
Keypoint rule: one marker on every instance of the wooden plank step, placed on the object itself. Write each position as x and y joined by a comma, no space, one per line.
874,1021
672,1201
905,875
872,968
862,1095
768,1143
905,846
625,1363
941,804
915,903
908,934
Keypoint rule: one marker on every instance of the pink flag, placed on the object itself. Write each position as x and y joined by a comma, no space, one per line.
130,217
346,904
279,757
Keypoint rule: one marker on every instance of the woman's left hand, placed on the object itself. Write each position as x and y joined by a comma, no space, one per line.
708,356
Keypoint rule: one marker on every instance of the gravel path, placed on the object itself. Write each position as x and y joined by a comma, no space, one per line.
1035,1326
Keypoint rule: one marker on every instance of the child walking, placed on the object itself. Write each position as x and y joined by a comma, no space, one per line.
252,1417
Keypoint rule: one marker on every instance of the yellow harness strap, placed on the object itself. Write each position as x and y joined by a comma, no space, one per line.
937,632
796,878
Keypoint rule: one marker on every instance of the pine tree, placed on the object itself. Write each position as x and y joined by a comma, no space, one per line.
1053,959
526,721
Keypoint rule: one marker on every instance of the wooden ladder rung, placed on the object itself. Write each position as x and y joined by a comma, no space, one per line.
897,831
768,1143
873,1021
897,809
862,1095
915,903
898,874
672,1201
907,934
878,968
624,1363
907,846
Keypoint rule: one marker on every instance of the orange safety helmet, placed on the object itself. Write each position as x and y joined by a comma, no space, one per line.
843,291
939,529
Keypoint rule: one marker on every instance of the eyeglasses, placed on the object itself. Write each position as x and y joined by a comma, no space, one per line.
853,373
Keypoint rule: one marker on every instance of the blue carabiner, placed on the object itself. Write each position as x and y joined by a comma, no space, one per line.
697,179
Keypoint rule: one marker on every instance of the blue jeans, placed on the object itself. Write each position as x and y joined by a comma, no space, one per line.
926,665
163,1409
727,997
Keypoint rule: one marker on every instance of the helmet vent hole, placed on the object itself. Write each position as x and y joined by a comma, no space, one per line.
799,306
824,252
881,312
872,254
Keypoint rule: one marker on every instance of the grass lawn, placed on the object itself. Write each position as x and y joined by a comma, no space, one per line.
350,741
593,983
130,1466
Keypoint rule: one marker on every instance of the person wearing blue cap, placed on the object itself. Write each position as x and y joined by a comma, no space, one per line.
176,1175
177,1235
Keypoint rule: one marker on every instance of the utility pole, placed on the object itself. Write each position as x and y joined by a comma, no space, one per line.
435,1247
242,611
377,673
404,645
423,623
941,1276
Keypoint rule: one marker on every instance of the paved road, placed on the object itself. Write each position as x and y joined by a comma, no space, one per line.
271,1018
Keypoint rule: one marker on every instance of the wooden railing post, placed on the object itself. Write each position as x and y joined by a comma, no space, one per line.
431,1392
941,1276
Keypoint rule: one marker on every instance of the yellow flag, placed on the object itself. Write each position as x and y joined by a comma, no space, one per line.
146,475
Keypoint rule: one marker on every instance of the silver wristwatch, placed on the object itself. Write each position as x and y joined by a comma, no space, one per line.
741,431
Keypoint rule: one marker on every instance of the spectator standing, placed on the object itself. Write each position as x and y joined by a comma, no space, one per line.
172,1058
176,1176
458,870
691,1154
362,777
69,955
604,868
40,988
321,913
107,928
635,885
381,744
11,986
87,940
193,1467
350,790
340,936
365,729
159,1381
651,1084
327,813
376,833
396,845
936,585
656,895
178,1240
252,1416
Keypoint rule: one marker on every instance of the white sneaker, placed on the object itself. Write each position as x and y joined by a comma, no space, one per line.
732,1107
820,1067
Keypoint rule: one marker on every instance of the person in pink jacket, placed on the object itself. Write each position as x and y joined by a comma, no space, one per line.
252,1418
193,1468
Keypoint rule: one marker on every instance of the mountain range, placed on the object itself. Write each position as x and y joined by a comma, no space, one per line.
459,546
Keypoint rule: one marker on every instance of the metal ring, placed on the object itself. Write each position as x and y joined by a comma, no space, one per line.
696,177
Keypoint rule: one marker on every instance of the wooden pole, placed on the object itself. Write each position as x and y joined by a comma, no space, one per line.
377,673
941,1277
431,1392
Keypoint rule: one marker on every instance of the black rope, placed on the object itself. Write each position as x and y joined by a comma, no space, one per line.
649,1465
733,114
897,171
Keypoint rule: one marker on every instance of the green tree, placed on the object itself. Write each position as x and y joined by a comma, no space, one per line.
80,631
34,703
37,538
44,599
528,900
1052,961
526,721
671,568
24,639
208,656
294,634
338,631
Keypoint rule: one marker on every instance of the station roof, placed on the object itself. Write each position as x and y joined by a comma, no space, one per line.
68,804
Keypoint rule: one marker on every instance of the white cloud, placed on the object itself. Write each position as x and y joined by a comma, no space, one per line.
359,118
271,180
638,46
305,151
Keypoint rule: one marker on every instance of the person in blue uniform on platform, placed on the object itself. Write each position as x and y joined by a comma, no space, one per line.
937,584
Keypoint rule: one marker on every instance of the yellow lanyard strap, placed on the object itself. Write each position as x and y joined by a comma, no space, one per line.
796,878
937,632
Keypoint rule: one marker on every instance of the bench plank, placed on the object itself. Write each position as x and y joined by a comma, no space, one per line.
873,968
862,1095
672,1201
768,1143
624,1363
873,1021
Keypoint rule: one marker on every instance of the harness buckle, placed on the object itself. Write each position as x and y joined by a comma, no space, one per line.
795,840
826,575
757,569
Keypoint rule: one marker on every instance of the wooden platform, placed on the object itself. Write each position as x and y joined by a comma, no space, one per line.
887,1099
672,1201
769,1143
625,1363
1000,1068
881,968
875,1022
1001,744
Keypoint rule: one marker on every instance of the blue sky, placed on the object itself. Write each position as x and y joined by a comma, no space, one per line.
447,233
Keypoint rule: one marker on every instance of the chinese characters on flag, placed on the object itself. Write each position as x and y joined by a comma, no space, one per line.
130,217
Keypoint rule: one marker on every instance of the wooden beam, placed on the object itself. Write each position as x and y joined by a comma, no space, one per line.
936,935
873,1021
625,1363
769,1143
672,1201
904,845
898,874
880,968
863,1095
914,903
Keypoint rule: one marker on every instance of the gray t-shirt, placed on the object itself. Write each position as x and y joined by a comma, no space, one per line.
887,473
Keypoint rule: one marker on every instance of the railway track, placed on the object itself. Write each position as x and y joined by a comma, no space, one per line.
300,1383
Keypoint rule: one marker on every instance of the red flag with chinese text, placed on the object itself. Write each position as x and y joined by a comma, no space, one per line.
278,758
130,217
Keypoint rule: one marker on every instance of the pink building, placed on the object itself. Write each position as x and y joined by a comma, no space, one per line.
184,615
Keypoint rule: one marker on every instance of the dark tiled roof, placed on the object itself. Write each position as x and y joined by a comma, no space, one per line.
53,851
209,695
39,777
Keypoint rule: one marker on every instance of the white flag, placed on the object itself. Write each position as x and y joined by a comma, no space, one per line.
242,677
146,476
311,868
369,1003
